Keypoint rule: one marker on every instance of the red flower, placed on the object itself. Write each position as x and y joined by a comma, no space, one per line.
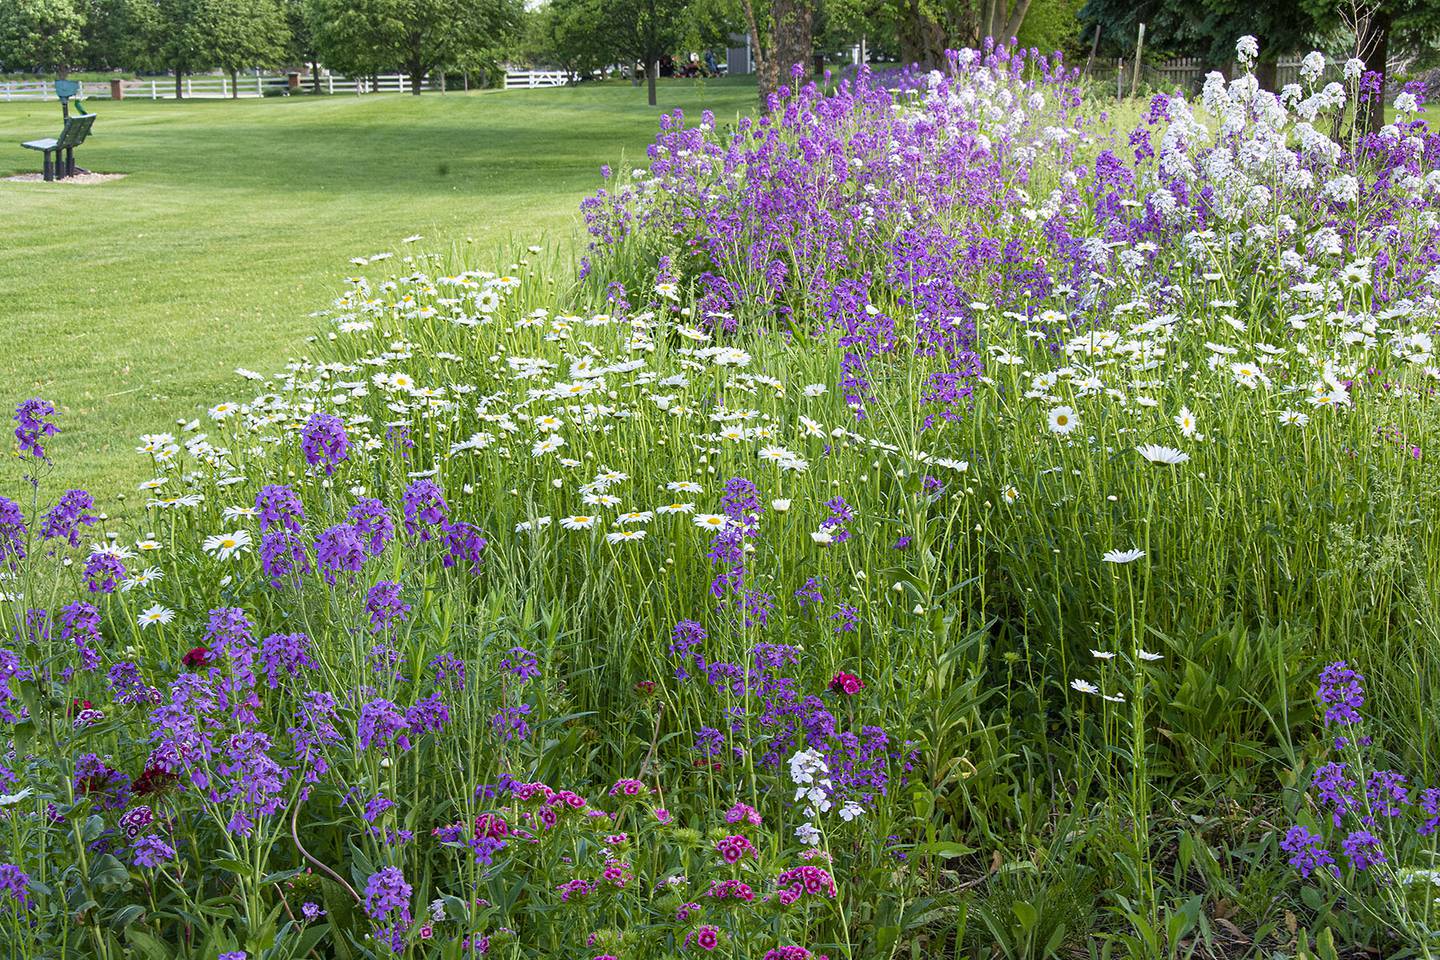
846,683
197,657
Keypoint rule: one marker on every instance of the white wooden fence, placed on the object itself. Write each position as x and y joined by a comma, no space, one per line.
532,79
202,87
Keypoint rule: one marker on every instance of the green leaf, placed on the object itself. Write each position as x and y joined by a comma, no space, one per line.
127,915
949,849
107,871
151,948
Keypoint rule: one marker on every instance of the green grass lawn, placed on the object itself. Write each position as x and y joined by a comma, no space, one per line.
130,303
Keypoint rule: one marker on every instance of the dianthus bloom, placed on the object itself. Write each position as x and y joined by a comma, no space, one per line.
707,938
734,848
792,952
846,683
1307,854
323,441
628,788
32,426
799,881
1342,693
743,813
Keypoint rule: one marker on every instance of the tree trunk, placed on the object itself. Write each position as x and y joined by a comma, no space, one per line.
234,84
417,78
922,39
315,73
1265,74
179,81
1375,47
792,23
765,80
652,69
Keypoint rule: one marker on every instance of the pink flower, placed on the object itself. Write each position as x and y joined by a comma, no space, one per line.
846,683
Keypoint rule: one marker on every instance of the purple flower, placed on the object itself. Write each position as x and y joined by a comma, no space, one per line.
80,624
339,550
1342,693
67,516
521,663
463,544
387,892
12,532
279,506
16,883
103,572
372,521
151,851
34,427
382,725
384,605
323,441
282,556
1363,849
285,654
425,508
1307,852
510,723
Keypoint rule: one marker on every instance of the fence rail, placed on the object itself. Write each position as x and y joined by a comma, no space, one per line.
532,79
207,87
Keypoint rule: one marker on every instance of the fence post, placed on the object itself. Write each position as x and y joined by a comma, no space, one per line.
330,83
152,91
1139,52
188,90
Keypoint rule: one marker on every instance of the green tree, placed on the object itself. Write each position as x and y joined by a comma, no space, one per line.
362,37
243,34
43,35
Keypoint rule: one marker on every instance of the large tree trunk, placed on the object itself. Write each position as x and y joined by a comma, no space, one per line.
1374,43
417,78
765,74
652,68
922,39
315,73
792,23
1003,19
179,81
234,84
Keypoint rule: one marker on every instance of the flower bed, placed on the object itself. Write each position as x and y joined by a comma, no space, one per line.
929,480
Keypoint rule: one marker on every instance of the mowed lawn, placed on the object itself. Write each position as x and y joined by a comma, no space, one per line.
130,303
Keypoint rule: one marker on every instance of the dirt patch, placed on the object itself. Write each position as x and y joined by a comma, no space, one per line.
81,176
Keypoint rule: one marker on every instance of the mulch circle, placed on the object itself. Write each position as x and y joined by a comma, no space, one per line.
81,176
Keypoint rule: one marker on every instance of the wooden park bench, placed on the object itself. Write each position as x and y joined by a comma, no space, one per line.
60,152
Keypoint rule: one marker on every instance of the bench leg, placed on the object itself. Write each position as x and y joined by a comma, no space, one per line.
49,165
69,161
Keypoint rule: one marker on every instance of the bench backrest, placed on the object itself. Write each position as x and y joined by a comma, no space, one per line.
76,130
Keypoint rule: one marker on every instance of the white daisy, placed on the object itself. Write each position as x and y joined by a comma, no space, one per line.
227,545
155,614
1123,556
1156,453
